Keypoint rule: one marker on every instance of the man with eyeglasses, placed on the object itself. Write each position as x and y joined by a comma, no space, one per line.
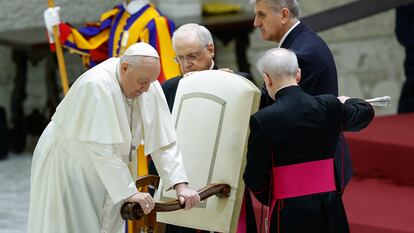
194,49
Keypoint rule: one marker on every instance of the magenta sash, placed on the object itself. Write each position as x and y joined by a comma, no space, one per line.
303,179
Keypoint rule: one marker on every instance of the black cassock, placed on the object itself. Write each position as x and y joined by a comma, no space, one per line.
296,129
319,77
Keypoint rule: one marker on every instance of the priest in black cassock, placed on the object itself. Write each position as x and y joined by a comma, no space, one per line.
290,163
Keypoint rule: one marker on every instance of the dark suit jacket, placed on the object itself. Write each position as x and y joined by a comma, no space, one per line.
318,77
315,60
300,128
404,27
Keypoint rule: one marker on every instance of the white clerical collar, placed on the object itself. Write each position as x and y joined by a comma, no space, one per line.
287,33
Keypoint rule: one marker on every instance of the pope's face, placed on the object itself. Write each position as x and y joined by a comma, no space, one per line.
136,79
268,21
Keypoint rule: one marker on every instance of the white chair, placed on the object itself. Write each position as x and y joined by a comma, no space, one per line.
211,112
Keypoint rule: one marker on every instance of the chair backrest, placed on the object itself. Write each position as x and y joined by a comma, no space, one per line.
211,112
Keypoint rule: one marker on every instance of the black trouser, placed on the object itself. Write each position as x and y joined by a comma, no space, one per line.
317,213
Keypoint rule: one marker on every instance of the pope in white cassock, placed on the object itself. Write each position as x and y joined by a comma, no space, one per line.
80,175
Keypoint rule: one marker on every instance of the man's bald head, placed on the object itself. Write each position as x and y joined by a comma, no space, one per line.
279,68
278,63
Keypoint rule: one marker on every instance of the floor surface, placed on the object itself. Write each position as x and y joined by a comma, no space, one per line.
14,193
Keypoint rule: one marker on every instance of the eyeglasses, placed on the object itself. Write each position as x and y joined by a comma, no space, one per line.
190,57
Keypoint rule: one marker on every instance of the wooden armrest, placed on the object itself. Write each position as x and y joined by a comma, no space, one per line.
133,211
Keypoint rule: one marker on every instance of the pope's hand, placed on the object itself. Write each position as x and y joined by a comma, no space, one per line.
187,196
145,201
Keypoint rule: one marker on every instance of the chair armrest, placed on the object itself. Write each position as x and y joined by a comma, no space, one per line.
133,211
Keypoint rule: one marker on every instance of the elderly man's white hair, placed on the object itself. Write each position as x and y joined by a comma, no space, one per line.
292,5
135,52
190,31
278,63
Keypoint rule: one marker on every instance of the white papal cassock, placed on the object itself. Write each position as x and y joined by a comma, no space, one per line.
80,174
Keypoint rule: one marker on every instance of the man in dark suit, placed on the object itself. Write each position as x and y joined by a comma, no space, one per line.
278,21
290,163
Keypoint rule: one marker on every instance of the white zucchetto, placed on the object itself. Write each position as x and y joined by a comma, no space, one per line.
141,49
